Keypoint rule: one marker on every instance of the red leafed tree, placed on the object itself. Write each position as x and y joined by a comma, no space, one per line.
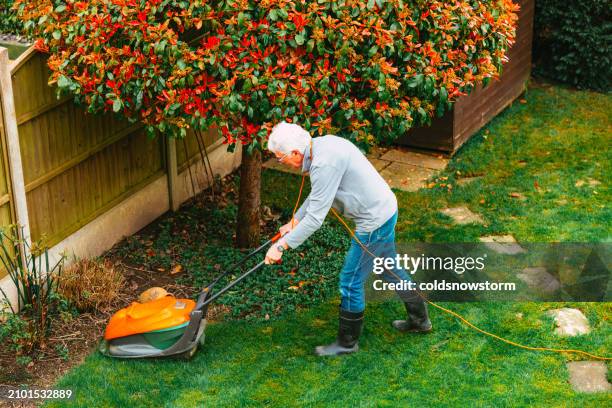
365,70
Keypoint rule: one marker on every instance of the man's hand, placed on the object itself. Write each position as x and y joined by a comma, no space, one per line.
274,255
288,227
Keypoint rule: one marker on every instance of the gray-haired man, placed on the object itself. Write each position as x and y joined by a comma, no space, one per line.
341,177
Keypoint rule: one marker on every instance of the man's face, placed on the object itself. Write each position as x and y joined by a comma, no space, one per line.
292,159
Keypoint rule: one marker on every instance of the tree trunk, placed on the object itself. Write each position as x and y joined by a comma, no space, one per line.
247,225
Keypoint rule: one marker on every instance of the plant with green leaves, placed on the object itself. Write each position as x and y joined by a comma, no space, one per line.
36,281
10,23
365,70
572,42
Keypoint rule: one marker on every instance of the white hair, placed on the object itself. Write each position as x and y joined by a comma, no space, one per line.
286,137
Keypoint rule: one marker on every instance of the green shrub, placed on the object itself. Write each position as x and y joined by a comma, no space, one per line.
572,42
36,280
9,21
13,330
307,276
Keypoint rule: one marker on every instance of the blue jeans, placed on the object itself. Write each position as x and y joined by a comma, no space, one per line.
358,264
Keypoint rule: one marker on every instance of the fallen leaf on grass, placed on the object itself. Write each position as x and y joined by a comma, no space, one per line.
176,269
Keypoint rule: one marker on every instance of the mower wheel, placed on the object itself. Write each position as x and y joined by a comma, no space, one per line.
202,338
187,355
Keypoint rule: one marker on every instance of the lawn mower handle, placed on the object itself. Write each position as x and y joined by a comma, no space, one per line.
204,298
243,260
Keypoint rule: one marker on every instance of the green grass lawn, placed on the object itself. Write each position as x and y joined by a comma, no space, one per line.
558,137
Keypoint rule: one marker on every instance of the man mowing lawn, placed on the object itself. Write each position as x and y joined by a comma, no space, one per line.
341,177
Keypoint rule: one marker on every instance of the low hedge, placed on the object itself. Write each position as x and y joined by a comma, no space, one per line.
572,42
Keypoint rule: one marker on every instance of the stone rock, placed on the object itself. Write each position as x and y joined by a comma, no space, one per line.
502,244
405,176
539,278
462,215
415,159
589,376
570,322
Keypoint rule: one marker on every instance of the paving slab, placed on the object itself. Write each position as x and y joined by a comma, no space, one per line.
375,152
502,244
589,376
415,159
538,278
463,215
378,163
406,176
570,322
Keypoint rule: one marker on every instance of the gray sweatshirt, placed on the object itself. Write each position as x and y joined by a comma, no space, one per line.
342,177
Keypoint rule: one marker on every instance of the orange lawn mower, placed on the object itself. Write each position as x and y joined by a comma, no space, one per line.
167,326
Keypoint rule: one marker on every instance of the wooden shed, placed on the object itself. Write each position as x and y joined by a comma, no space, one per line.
473,111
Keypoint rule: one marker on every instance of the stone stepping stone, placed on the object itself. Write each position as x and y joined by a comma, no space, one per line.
415,159
589,376
463,215
591,182
570,322
502,244
538,278
406,176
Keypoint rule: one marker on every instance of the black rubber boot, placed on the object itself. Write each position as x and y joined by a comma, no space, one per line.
418,319
350,325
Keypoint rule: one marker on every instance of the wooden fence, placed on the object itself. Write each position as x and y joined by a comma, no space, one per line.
76,166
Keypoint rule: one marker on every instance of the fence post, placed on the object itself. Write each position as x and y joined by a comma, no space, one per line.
17,183
15,180
172,170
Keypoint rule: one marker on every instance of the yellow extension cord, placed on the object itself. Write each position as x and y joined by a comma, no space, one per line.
455,314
